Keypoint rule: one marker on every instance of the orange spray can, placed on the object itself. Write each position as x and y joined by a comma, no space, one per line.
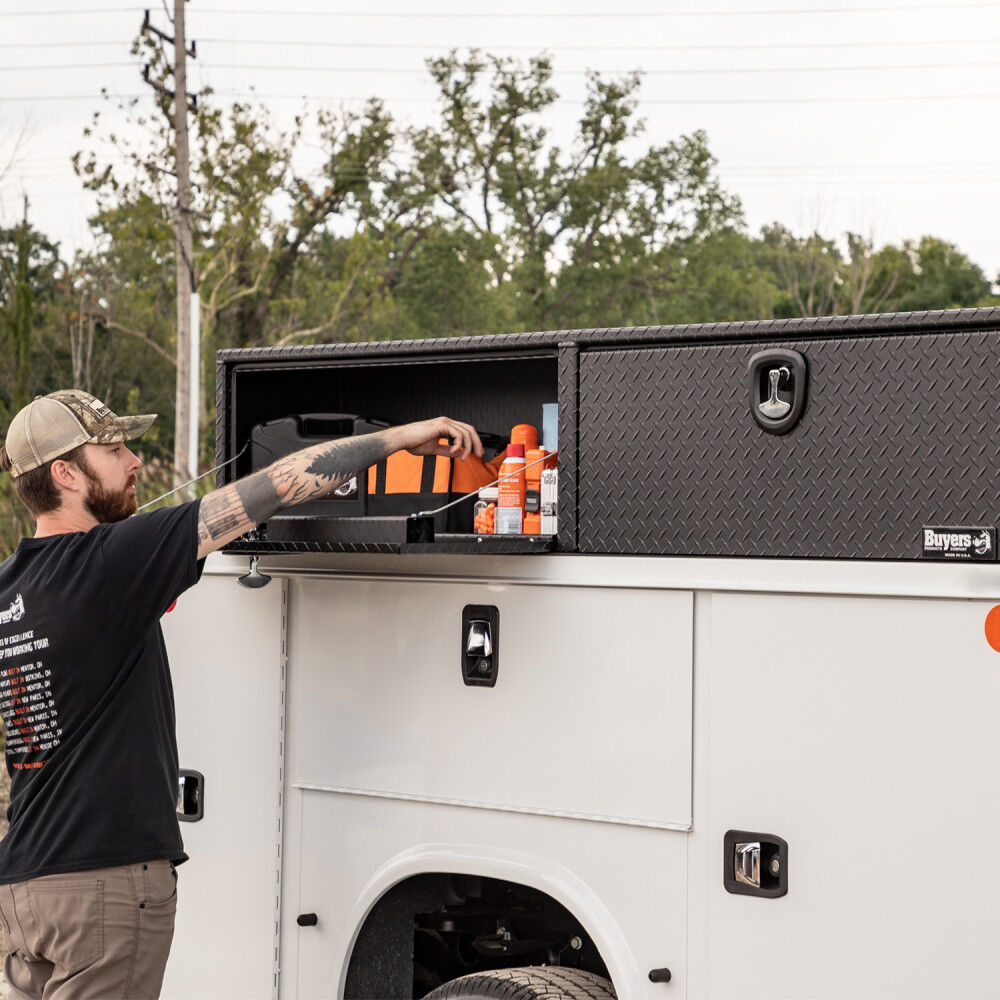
526,434
511,493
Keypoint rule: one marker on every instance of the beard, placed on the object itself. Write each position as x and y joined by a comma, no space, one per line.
109,506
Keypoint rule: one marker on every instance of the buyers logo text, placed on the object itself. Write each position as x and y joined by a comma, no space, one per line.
963,542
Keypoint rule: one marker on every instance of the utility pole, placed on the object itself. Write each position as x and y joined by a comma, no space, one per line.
185,252
187,395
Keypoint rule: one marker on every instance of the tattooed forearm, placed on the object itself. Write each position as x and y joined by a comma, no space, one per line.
259,497
318,471
221,516
342,459
304,475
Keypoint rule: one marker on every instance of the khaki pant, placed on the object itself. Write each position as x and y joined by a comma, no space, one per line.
92,935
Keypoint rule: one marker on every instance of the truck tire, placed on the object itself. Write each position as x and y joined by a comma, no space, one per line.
533,982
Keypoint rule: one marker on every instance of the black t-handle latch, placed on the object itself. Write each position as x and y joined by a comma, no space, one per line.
777,389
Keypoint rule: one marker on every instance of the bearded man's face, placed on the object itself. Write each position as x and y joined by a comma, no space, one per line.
106,502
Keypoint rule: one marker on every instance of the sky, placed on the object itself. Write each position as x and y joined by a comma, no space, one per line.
832,115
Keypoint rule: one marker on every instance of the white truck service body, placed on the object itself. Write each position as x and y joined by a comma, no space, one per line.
362,804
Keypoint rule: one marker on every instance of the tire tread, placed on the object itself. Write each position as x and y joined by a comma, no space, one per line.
532,982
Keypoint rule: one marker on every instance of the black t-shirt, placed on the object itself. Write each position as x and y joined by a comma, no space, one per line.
86,697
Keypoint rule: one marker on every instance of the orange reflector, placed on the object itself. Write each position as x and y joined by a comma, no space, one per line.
993,628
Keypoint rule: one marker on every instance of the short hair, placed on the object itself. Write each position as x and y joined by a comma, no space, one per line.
35,487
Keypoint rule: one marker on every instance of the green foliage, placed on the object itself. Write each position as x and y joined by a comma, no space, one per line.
565,235
17,324
817,277
29,272
938,276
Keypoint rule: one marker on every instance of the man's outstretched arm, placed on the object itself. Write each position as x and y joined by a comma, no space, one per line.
316,472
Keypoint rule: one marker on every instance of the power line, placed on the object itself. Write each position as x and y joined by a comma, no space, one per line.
58,45
867,98
68,97
594,47
985,171
521,15
410,99
906,165
58,66
732,184
256,67
71,10
314,157
574,15
420,71
49,166
424,46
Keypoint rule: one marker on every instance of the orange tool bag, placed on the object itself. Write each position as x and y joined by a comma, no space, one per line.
405,484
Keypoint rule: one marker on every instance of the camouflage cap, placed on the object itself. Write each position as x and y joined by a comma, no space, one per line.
50,426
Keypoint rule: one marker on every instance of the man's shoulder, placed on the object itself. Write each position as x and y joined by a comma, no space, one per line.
153,520
150,532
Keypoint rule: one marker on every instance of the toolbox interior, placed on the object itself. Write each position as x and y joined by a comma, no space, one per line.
493,393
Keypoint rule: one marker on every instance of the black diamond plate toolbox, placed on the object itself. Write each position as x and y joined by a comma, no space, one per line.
897,432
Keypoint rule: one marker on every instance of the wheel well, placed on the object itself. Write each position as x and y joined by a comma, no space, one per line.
435,927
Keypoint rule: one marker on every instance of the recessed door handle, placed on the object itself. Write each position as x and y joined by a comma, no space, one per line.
480,639
777,389
756,864
746,863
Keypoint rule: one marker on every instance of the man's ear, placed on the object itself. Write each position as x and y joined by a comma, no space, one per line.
66,475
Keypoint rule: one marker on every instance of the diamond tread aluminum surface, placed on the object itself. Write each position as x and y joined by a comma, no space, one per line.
897,433
568,389
866,324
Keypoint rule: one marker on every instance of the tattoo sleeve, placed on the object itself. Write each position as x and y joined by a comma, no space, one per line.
304,475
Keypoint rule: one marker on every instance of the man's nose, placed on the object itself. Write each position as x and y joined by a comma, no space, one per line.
134,463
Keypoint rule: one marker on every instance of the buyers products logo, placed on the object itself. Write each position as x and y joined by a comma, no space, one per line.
962,542
14,613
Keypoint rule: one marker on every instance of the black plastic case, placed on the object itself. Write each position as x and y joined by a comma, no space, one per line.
273,439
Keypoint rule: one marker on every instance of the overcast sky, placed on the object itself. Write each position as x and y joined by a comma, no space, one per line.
836,115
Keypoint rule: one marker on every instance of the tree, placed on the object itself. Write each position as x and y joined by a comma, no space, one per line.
939,276
818,277
256,218
562,232
29,270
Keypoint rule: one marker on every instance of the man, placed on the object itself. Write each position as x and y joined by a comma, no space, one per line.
87,871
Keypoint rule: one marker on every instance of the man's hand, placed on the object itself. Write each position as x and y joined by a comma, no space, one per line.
440,436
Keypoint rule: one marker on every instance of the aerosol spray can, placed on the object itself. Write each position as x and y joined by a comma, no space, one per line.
511,491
